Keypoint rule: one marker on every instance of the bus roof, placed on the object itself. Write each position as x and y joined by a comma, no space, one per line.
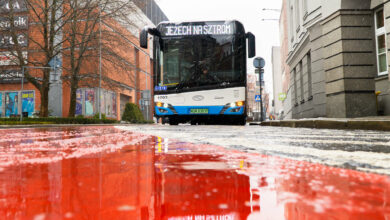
193,28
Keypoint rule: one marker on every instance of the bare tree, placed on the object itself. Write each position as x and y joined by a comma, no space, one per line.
96,30
75,29
44,25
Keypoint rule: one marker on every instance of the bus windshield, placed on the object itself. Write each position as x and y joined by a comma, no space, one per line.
201,61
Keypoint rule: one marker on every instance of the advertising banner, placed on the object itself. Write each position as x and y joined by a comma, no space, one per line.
6,40
89,102
114,105
7,58
20,22
103,103
79,102
10,76
108,99
16,5
28,102
11,103
1,104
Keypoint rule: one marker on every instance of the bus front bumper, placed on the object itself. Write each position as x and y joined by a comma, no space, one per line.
199,110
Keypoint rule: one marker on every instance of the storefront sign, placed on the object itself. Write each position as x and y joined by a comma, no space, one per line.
213,29
10,76
16,5
7,58
20,22
7,41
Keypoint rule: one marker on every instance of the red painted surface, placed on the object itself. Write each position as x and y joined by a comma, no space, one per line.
105,173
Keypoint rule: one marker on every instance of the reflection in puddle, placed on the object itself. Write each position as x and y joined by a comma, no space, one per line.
104,173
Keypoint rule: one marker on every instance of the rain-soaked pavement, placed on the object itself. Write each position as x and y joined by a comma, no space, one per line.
127,173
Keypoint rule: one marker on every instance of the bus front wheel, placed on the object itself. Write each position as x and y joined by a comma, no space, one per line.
241,121
173,121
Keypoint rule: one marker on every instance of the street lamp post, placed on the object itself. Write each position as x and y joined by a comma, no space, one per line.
271,9
100,64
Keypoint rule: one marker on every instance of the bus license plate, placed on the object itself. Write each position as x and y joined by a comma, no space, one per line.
199,111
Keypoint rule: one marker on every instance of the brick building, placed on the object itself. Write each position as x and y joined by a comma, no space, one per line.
338,57
119,86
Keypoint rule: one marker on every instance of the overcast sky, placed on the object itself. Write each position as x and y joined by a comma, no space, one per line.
249,12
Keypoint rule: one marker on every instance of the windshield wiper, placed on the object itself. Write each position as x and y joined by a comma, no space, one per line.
224,84
182,85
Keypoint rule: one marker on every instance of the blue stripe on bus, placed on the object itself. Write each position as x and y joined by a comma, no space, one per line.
185,110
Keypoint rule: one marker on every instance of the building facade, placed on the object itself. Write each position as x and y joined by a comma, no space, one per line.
286,112
278,94
338,57
131,84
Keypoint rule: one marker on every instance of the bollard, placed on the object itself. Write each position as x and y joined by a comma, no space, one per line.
377,103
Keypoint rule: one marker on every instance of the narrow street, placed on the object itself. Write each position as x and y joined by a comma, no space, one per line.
193,172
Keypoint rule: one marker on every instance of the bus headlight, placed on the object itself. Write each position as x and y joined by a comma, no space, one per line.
166,106
237,104
234,107
240,103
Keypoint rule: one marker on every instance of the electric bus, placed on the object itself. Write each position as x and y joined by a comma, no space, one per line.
200,71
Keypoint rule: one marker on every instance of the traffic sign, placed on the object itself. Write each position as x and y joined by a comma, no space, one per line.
282,96
259,70
55,62
257,98
259,62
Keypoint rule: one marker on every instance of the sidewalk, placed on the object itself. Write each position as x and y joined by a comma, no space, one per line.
380,123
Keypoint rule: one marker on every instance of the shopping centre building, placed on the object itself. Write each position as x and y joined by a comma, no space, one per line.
118,86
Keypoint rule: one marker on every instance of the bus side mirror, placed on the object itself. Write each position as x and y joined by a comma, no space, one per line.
251,45
143,38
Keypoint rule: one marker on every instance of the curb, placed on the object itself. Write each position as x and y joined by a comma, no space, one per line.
52,125
377,125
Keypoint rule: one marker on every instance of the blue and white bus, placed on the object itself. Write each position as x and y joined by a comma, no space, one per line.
200,71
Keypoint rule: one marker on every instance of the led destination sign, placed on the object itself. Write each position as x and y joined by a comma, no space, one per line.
203,29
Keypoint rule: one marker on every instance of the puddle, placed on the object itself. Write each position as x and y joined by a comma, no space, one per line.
105,173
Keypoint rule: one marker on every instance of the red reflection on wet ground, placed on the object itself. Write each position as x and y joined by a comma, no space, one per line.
106,173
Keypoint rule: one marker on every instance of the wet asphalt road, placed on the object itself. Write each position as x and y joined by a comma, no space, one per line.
367,151
190,173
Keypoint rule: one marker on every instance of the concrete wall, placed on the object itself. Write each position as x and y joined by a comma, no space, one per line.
339,35
349,64
318,74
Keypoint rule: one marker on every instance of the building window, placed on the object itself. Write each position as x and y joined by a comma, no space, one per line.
291,21
297,16
301,82
295,87
305,9
380,36
309,77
